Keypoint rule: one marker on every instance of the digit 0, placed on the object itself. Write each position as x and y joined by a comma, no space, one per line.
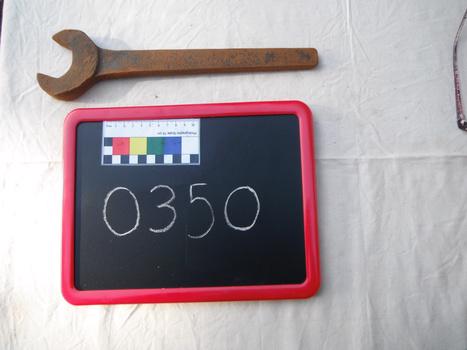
226,214
104,211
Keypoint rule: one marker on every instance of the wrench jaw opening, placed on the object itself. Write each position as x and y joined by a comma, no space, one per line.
80,75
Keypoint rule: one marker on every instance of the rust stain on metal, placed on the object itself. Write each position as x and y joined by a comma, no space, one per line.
269,57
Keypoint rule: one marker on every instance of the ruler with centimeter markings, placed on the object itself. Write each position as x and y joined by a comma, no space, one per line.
151,142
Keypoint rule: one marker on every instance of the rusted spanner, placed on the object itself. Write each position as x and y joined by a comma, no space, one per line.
91,63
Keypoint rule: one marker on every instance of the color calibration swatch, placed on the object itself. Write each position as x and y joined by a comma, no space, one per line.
151,142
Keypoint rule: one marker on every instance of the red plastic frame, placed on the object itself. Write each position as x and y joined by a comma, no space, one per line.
121,296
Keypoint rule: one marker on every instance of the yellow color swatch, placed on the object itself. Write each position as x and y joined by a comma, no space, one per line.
138,145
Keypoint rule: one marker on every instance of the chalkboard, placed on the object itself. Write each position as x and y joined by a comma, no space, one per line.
188,204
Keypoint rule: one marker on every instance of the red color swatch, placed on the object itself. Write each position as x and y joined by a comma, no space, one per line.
121,145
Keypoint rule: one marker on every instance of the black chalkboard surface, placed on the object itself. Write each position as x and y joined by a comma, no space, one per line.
230,215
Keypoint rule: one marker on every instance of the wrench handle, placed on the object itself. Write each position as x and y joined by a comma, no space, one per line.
116,64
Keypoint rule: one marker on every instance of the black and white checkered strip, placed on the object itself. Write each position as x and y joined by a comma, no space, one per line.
151,159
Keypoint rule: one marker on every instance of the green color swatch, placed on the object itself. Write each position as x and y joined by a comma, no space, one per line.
155,145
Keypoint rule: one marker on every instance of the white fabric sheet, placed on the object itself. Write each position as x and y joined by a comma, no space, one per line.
391,169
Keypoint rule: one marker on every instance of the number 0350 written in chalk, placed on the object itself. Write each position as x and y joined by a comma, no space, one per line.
167,204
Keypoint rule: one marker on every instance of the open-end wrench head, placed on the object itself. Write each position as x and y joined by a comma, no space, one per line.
83,67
